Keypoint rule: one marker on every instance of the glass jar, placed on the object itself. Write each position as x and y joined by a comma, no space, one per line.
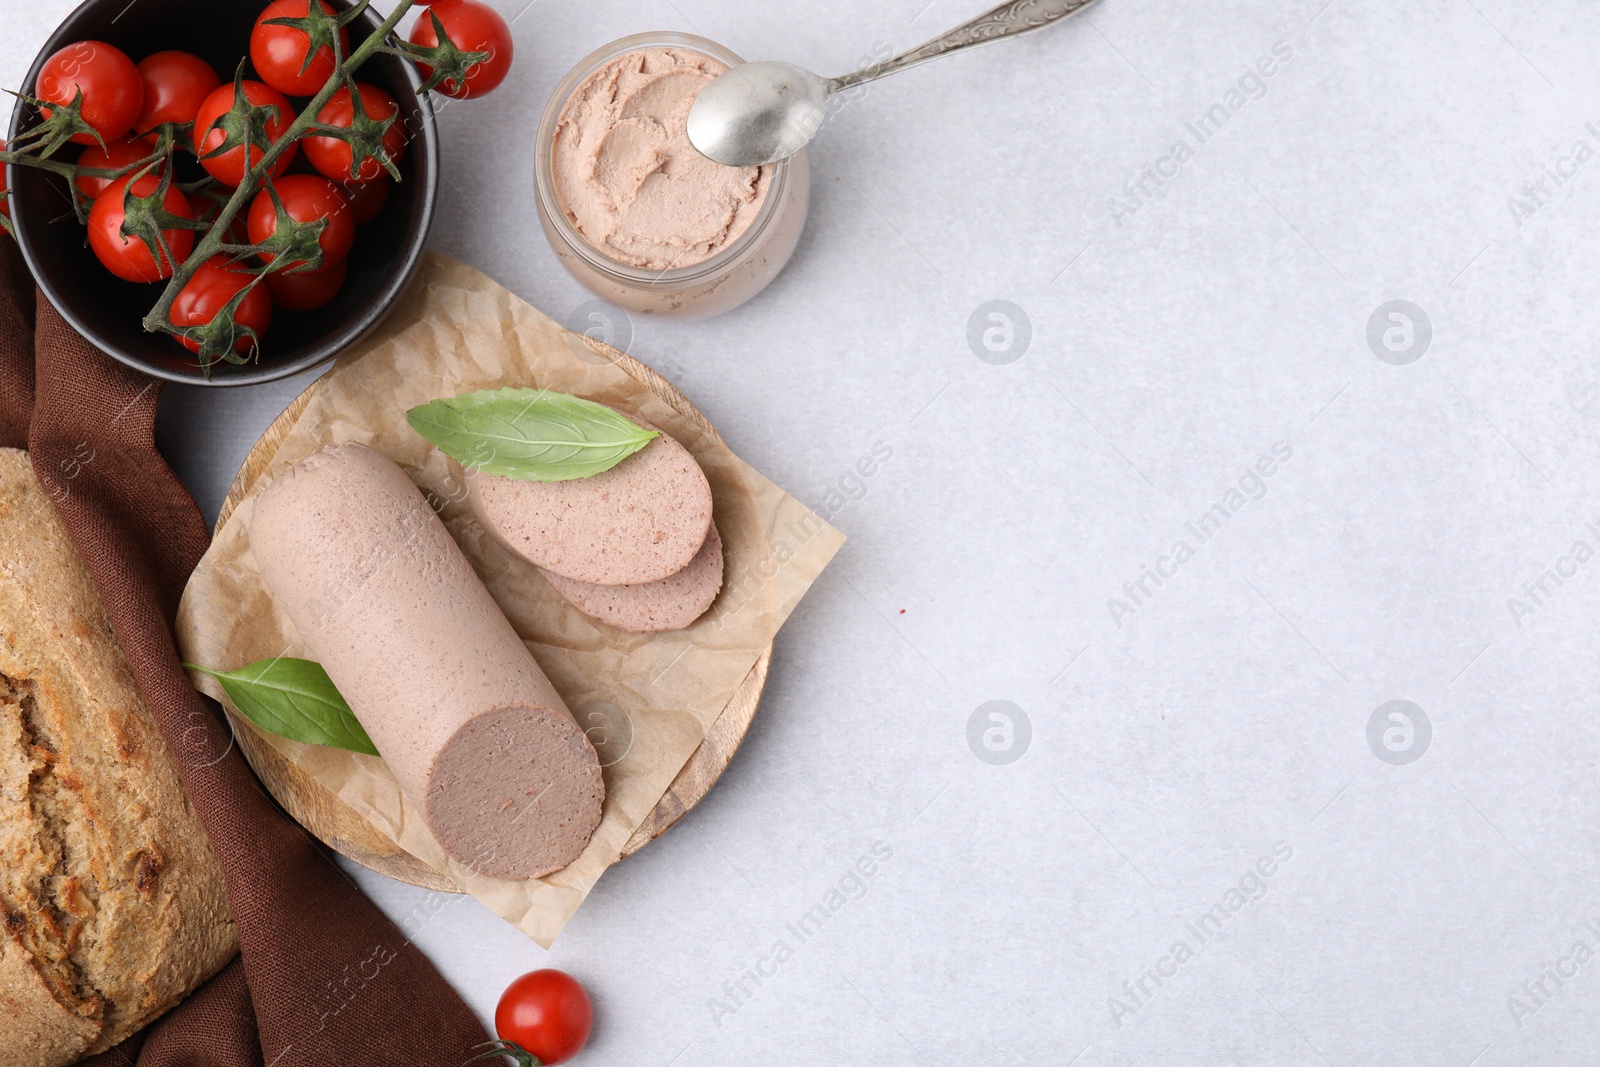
719,283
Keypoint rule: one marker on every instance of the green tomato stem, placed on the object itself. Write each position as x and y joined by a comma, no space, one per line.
72,170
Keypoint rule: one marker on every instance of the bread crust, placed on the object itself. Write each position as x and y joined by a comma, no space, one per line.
112,903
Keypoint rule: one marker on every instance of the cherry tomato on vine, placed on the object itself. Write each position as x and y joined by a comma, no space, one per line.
547,1013
128,257
335,158
366,198
279,52
113,92
175,85
114,156
472,26
307,290
306,197
228,168
208,292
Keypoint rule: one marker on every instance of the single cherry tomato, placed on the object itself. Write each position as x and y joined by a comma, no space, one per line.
114,156
366,198
113,92
175,85
279,52
545,1012
228,168
208,292
128,257
306,197
472,26
307,290
333,157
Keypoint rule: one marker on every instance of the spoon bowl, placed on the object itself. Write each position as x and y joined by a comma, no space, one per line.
758,113
763,112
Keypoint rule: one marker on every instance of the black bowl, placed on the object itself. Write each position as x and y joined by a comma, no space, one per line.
108,311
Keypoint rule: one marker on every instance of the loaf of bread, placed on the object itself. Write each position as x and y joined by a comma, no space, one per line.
112,904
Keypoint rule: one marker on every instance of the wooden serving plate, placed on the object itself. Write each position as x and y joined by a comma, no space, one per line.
337,824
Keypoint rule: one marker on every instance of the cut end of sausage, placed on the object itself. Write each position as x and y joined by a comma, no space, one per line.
463,715
515,793
670,604
639,522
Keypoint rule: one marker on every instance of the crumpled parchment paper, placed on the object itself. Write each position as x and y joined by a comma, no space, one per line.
648,699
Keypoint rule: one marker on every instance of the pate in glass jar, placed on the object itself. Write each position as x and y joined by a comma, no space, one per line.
632,209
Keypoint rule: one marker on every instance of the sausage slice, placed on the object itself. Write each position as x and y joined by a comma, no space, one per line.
670,604
641,521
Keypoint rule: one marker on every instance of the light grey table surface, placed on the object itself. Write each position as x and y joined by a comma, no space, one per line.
1425,872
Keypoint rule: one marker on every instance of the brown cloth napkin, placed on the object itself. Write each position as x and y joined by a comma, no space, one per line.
323,977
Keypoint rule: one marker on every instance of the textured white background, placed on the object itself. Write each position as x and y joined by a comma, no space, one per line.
1167,354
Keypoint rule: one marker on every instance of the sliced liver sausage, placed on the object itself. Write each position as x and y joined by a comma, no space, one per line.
467,721
670,604
641,521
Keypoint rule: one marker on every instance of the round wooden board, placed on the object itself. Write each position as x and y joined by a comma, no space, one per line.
338,825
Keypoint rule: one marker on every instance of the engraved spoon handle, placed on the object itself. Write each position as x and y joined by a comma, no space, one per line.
1009,19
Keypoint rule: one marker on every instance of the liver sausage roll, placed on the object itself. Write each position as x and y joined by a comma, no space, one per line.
670,604
641,521
467,721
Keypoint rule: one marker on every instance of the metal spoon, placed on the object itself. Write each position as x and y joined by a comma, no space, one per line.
763,112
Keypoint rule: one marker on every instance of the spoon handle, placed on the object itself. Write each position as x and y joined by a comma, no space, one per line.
1007,20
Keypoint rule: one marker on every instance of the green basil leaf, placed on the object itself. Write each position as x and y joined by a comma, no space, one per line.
533,435
293,698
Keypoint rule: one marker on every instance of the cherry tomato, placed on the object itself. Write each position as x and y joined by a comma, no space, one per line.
113,92
128,257
114,156
306,197
307,290
546,1012
5,202
334,157
208,292
228,168
474,27
279,52
175,85
366,198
